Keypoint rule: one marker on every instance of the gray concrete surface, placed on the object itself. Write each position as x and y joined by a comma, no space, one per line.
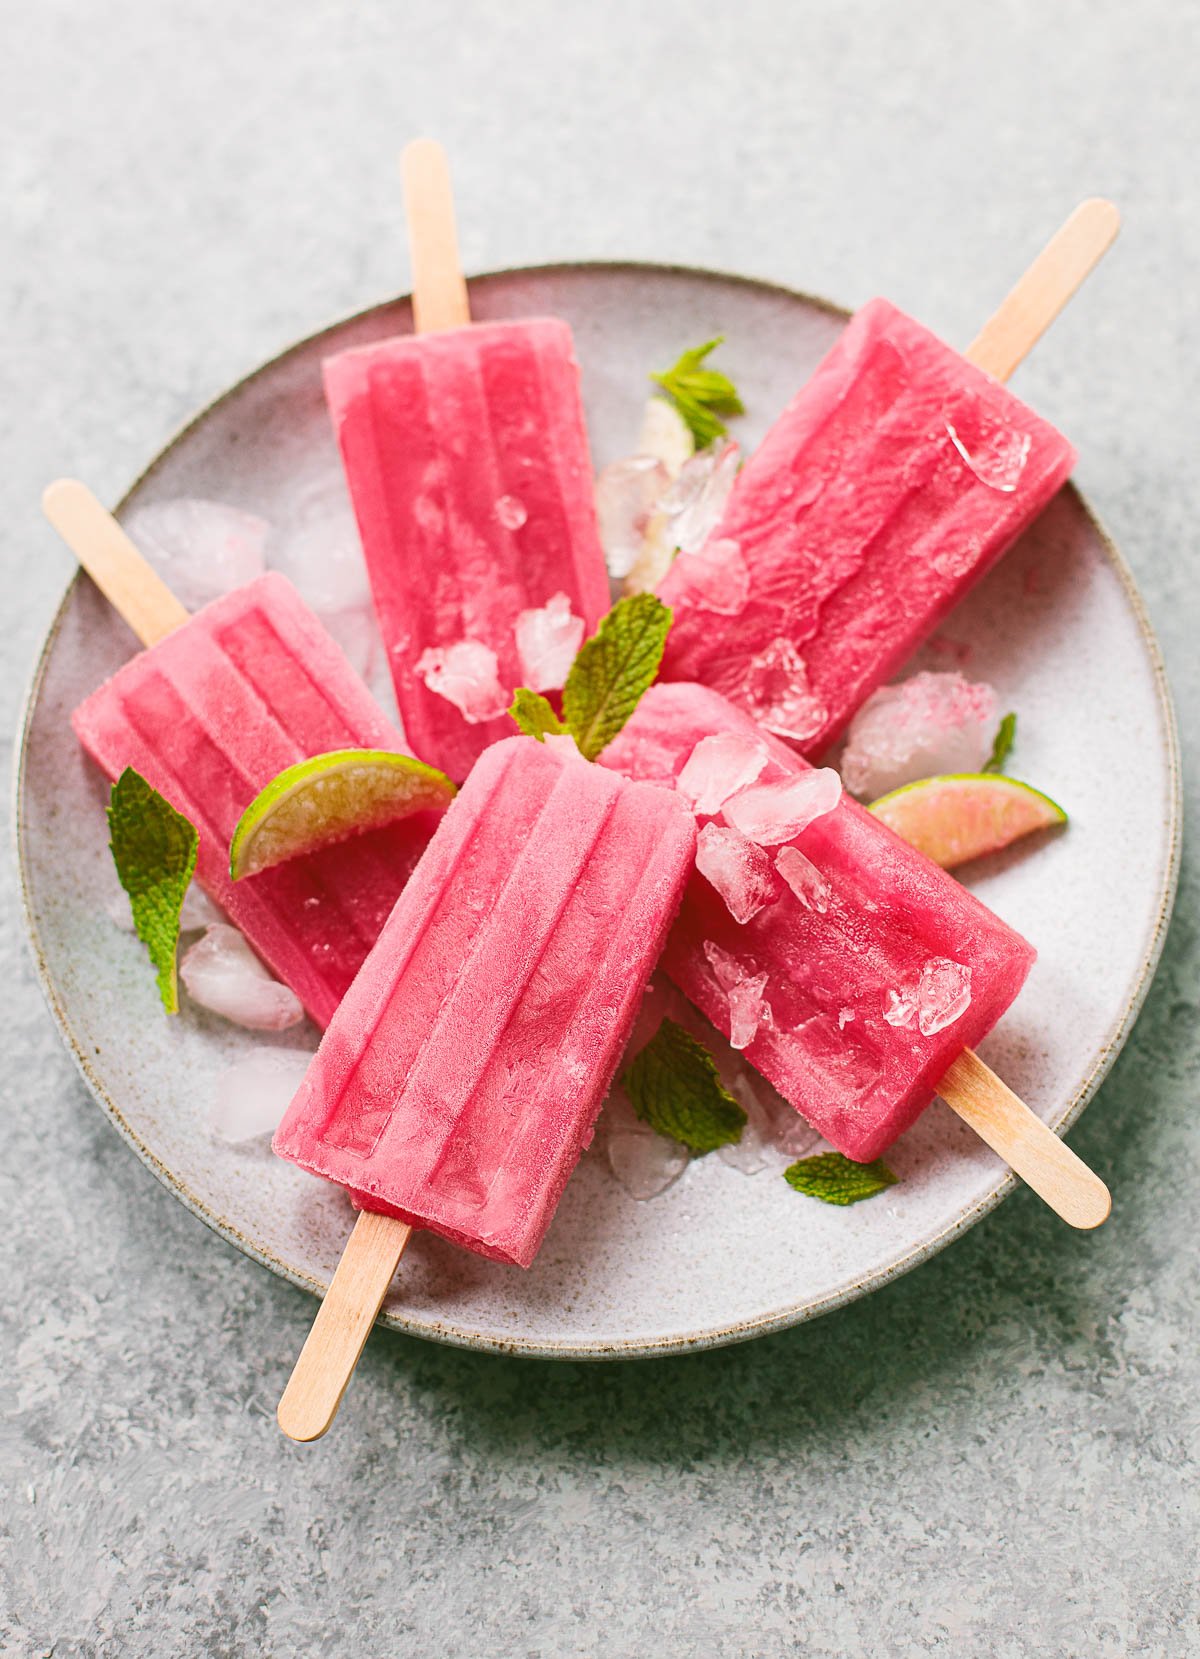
997,1455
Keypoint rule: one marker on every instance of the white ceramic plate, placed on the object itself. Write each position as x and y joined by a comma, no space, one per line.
1058,628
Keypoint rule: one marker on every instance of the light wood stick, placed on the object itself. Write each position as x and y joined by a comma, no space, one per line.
343,1323
1063,264
439,288
135,591
1026,1144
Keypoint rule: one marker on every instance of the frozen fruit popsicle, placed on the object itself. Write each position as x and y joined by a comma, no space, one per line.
467,460
458,1082
891,483
861,974
209,715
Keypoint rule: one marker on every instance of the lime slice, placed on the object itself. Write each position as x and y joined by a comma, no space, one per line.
666,435
963,815
330,798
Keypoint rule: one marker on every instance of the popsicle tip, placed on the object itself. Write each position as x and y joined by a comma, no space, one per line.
62,489
421,150
1090,1207
297,1423
1106,215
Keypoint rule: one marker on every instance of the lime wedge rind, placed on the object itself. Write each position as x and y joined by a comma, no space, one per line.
329,798
958,816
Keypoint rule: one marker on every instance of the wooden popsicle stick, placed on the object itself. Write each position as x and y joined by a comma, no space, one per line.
339,1332
439,287
1027,1145
132,587
1071,254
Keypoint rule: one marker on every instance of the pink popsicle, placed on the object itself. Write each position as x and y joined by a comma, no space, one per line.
467,460
891,483
863,997
247,687
458,1082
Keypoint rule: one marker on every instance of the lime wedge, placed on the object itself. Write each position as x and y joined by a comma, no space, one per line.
963,815
330,798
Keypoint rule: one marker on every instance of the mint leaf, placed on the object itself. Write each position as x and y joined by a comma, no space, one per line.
1002,744
613,669
534,715
835,1179
701,395
154,849
674,1086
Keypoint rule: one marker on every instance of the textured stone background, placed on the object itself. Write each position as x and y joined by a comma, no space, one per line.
997,1455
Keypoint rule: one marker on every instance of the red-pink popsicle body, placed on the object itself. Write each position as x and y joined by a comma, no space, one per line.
828,1047
459,1080
467,460
891,483
247,687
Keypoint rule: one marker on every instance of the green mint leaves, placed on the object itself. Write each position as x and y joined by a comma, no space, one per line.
701,395
674,1087
1002,744
612,670
835,1179
154,849
534,715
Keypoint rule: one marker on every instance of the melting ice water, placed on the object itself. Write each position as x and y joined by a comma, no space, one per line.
627,492
717,768
467,675
925,725
770,813
740,871
547,640
223,974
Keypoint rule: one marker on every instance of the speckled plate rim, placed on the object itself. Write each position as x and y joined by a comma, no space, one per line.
716,1336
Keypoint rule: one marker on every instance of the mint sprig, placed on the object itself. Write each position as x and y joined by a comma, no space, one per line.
154,848
1002,744
835,1179
701,395
534,715
675,1088
613,669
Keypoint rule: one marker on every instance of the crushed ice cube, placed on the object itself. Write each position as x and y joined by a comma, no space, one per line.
644,1163
223,974
547,640
804,879
627,492
717,768
695,502
751,1153
511,512
744,992
201,549
740,871
943,994
997,460
776,691
318,549
925,725
773,812
665,435
901,1010
467,675
717,576
254,1092
845,1015
198,910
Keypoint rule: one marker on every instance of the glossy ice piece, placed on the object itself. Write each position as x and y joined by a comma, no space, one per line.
460,1079
467,460
878,972
250,685
893,480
